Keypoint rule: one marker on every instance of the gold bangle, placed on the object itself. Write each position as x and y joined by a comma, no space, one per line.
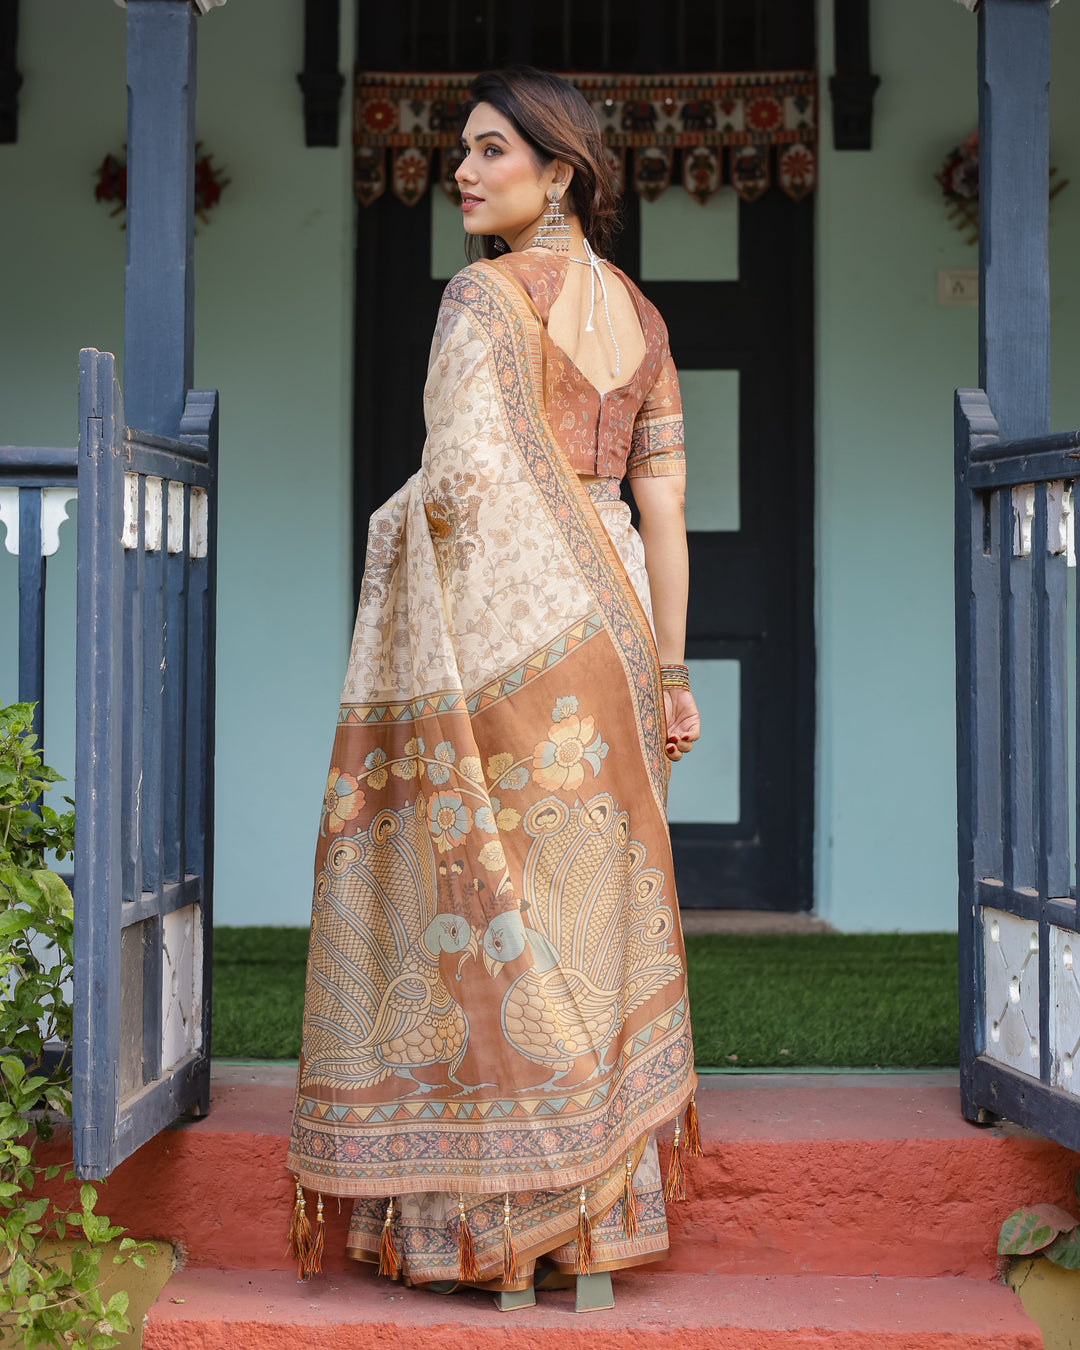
674,677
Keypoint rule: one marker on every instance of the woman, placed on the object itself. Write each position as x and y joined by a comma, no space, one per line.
495,1018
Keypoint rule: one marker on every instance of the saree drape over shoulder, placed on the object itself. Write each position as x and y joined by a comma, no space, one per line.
495,1010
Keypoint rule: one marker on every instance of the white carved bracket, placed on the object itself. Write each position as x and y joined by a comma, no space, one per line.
1023,498
9,517
130,536
176,518
54,505
198,524
1061,521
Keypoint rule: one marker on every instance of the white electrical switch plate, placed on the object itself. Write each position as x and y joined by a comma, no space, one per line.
958,286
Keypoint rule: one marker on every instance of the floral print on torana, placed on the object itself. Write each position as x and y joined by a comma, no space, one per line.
342,801
559,762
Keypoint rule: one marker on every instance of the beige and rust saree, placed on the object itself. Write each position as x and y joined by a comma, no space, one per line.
495,1016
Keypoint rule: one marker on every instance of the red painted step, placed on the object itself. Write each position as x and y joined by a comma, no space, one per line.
268,1310
828,1175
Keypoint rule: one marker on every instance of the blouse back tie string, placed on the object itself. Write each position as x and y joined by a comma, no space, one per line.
592,262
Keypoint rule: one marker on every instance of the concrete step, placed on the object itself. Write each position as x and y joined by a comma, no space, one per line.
809,1174
268,1310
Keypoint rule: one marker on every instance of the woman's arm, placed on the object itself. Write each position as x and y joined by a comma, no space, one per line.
660,502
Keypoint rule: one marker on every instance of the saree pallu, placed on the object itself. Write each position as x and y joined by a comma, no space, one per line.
495,1012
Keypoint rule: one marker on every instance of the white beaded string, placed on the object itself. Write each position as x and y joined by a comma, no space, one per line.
592,262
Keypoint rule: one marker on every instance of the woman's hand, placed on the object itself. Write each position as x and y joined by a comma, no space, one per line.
683,722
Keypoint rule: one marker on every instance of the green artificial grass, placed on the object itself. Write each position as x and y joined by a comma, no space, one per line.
840,1000
787,1001
258,992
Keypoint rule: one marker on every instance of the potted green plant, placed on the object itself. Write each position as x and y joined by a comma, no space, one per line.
48,1284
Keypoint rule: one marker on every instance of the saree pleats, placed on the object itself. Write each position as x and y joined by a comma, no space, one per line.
495,1010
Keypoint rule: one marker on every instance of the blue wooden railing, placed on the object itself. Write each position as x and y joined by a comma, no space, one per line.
143,770
31,479
1018,910
144,733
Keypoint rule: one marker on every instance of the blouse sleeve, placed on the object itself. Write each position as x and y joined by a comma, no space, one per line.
656,447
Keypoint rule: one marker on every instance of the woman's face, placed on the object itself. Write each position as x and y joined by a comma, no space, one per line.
502,190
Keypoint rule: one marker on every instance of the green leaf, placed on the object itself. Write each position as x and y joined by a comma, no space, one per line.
13,920
1064,1251
118,1304
19,1276
1023,1232
88,1197
52,887
12,1068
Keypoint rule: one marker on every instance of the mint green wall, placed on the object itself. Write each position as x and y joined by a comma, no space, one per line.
273,333
888,360
274,299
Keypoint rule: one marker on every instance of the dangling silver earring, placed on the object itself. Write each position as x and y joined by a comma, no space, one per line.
553,232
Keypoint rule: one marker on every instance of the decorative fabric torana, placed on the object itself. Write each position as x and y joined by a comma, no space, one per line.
708,129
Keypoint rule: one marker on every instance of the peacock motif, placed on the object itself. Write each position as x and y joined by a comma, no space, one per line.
597,924
375,890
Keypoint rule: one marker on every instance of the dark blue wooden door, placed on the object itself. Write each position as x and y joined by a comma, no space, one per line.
144,770
1019,931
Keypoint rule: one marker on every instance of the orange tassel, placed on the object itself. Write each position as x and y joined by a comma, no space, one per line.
467,1268
389,1261
693,1133
629,1201
673,1186
300,1233
584,1238
313,1265
510,1265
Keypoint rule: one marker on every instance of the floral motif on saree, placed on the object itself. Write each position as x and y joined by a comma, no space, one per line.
495,995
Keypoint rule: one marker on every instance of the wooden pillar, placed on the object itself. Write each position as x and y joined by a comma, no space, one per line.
320,80
853,86
10,79
1014,168
159,277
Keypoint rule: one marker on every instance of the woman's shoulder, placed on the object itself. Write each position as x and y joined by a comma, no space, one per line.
538,275
652,319
463,283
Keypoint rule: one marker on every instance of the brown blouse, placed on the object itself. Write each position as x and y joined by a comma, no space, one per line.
636,429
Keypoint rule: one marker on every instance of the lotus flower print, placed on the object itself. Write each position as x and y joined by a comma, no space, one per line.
342,801
573,742
449,820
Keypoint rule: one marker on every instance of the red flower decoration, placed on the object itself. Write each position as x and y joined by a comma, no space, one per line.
799,163
111,185
763,114
380,115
